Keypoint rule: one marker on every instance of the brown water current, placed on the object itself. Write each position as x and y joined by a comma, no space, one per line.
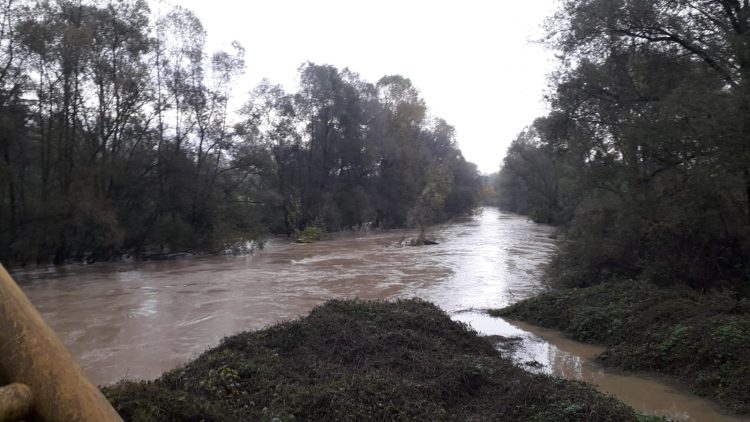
136,320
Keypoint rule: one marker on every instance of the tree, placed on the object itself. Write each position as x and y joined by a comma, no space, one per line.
715,33
347,153
529,181
116,136
430,201
645,152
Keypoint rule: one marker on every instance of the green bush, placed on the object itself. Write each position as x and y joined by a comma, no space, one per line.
309,234
361,361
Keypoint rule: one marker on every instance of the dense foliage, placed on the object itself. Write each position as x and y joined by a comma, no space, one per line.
116,136
645,156
361,361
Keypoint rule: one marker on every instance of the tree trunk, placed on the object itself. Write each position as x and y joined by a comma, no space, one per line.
11,191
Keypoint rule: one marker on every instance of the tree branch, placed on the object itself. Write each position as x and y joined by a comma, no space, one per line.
667,36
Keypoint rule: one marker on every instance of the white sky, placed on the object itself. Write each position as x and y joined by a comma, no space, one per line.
474,61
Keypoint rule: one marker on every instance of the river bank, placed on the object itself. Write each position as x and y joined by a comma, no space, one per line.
700,339
357,360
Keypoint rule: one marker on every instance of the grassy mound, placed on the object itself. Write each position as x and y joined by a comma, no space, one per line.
352,360
703,339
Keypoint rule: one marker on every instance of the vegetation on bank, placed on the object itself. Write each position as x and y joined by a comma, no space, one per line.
353,360
644,159
644,164
701,339
309,234
118,137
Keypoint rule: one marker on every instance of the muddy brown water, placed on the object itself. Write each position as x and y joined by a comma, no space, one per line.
136,320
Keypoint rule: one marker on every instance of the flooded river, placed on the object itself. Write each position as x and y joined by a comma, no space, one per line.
136,320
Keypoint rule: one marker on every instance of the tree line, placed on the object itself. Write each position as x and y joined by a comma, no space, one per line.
644,158
116,135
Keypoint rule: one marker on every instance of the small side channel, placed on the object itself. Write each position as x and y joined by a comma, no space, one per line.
548,352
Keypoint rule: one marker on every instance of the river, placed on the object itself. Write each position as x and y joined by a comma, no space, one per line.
136,320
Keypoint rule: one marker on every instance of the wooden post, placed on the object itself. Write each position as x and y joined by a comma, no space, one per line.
31,353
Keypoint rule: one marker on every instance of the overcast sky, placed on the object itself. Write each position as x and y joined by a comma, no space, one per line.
474,61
